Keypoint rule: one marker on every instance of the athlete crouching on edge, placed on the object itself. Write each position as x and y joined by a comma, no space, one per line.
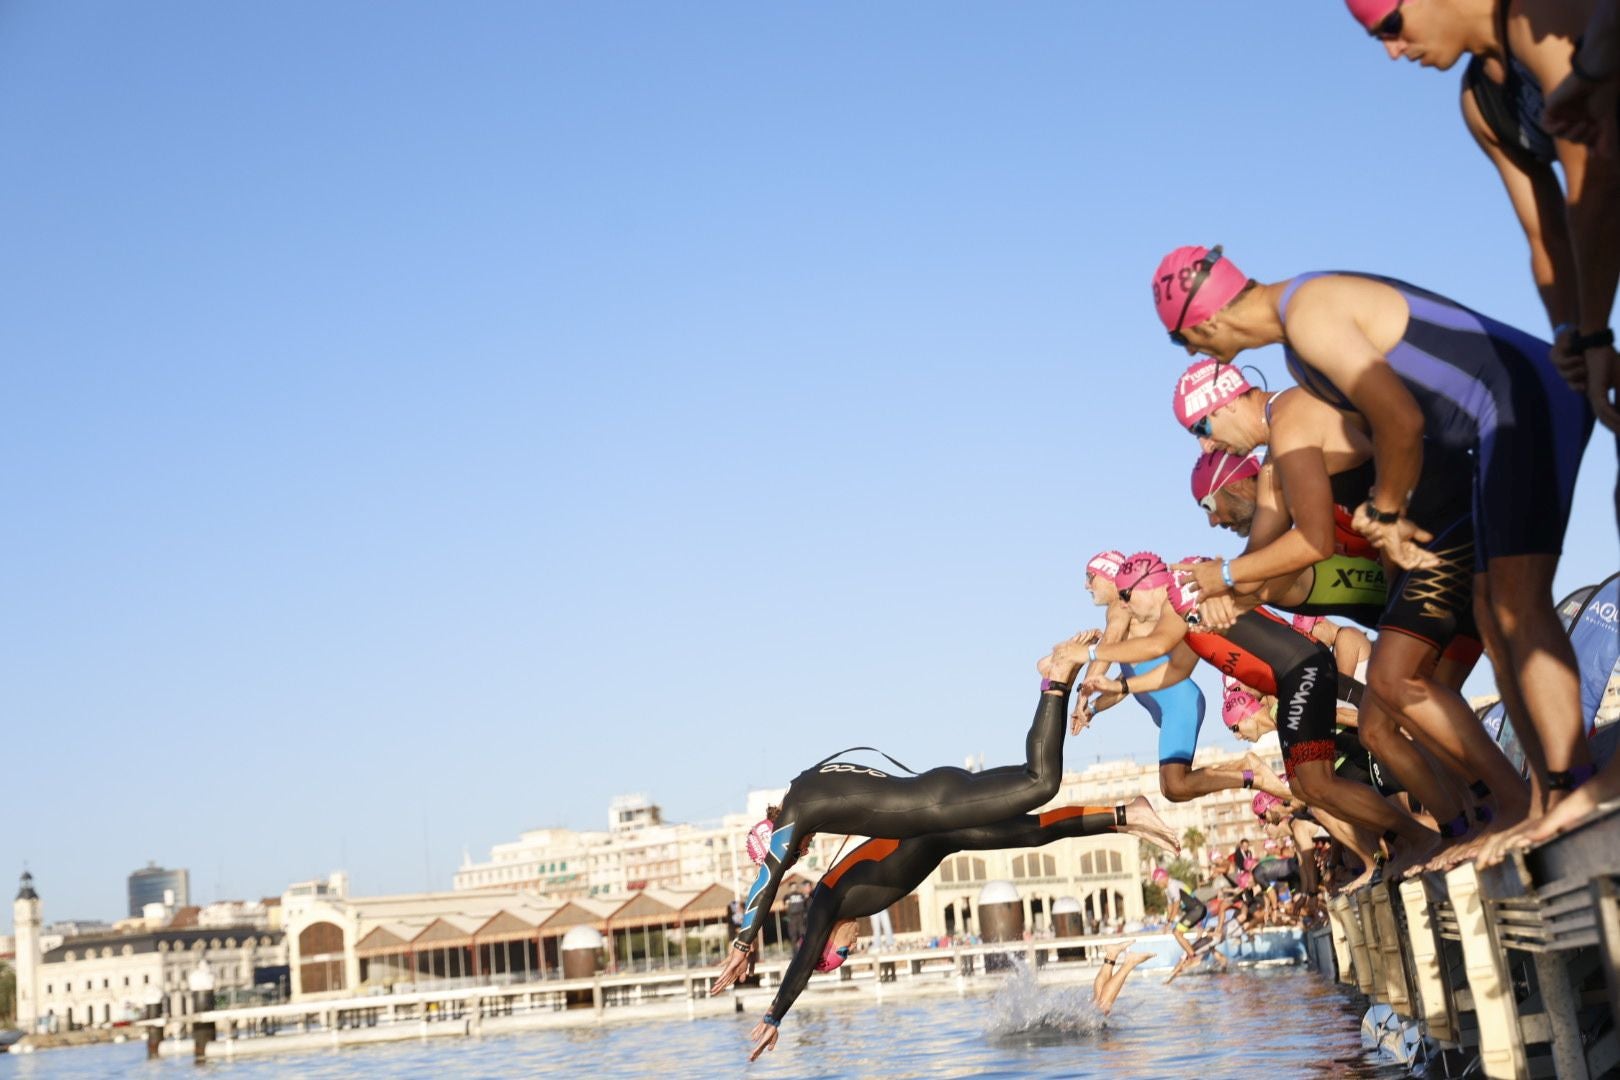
836,796
880,873
1320,464
1417,365
1263,651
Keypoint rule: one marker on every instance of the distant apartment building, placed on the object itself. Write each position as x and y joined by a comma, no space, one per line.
155,885
639,850
1223,818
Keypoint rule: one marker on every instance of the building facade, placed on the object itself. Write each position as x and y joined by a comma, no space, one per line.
102,978
155,885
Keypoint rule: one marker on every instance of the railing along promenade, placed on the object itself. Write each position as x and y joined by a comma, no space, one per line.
602,998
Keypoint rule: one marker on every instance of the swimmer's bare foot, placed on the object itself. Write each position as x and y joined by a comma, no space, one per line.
1497,845
1142,821
1363,878
1113,951
1264,779
1407,857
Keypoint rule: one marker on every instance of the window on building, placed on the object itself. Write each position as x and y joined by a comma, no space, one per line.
48,989
146,980
126,980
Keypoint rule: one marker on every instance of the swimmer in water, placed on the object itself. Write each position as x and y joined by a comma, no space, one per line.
880,873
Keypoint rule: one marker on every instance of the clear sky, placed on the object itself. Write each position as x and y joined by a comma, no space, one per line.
425,421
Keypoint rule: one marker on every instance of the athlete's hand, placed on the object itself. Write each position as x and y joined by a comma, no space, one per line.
1603,385
1101,684
764,1036
1084,710
1401,541
1206,575
735,966
1068,656
1217,613
1570,365
1582,111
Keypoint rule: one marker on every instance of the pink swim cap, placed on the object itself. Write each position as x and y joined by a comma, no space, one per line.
1204,387
1105,564
1184,594
1175,277
1369,13
1238,706
1144,570
1160,875
831,958
1216,469
1264,801
1305,624
759,841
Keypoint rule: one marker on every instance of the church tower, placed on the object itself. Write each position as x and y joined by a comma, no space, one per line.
25,922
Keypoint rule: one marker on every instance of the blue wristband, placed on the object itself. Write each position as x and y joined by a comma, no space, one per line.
771,1020
1226,574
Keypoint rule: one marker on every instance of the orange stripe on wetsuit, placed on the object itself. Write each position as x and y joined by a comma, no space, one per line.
1064,813
871,851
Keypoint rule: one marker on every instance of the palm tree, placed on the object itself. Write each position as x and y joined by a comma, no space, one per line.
1192,840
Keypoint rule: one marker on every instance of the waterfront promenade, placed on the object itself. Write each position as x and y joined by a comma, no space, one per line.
870,978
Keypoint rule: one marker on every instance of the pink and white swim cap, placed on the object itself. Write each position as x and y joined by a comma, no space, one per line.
1216,469
831,958
1144,570
1183,595
1160,875
1105,564
1238,706
1178,275
1369,13
759,841
1264,801
1306,624
1204,387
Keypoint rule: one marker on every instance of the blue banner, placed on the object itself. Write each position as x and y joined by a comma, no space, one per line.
1595,636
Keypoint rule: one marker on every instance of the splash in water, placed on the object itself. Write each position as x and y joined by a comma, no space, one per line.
1023,1007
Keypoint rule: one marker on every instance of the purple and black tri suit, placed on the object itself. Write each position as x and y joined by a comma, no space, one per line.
1489,388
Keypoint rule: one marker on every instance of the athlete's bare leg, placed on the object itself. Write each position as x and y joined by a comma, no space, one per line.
1111,957
1142,821
1122,967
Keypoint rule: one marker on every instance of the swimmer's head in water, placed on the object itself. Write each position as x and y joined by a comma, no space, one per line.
1219,488
1190,285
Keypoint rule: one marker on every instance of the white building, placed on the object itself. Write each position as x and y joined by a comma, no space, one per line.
99,978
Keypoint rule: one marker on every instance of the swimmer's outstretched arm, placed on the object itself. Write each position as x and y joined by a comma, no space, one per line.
1180,667
819,923
1167,632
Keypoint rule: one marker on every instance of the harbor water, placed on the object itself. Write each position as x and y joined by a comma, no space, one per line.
1278,1022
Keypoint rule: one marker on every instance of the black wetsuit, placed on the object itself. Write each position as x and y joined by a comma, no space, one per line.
1269,872
880,873
840,797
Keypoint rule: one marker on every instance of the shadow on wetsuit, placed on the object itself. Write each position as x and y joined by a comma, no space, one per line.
880,873
836,796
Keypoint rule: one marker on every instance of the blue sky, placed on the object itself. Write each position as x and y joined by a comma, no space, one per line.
426,421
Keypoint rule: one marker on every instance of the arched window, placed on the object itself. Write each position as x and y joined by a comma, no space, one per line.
1113,862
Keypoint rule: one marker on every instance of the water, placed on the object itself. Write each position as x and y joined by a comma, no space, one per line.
1281,1022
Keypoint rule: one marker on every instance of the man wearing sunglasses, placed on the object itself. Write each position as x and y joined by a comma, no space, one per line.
1410,365
1518,50
1427,643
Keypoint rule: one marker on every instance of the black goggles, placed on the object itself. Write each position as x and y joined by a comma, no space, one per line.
1389,27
